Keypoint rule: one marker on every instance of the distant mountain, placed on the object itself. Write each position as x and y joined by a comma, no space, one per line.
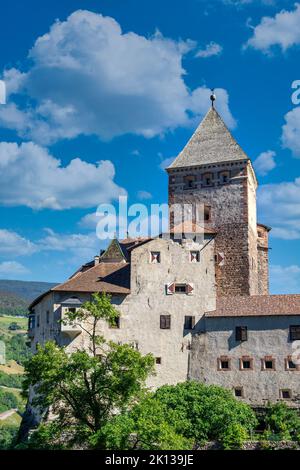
27,290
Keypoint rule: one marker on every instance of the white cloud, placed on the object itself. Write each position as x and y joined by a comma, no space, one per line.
144,195
10,269
209,50
31,176
166,162
81,245
12,244
281,30
285,279
291,131
88,77
265,162
279,206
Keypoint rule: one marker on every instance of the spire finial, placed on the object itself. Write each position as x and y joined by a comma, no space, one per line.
212,97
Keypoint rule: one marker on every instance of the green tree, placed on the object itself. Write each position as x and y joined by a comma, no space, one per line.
282,421
85,388
208,412
149,425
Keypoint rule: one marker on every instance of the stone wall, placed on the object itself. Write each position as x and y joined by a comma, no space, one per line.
233,215
268,336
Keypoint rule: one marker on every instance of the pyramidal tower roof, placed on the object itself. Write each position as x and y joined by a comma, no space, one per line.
212,142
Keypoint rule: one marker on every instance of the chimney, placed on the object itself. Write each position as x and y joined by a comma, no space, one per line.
97,260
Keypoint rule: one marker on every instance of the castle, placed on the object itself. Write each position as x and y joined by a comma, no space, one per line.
201,306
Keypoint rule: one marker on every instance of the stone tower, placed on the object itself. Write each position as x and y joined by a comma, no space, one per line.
214,172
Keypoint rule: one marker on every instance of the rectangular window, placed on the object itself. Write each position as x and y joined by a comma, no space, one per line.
238,392
180,288
241,333
194,256
47,316
72,309
246,363
158,360
154,257
189,322
116,323
38,321
268,363
165,322
223,363
294,332
286,394
207,213
31,322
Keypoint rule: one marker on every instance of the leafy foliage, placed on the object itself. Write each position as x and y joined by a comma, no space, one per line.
282,421
208,412
148,426
16,348
85,388
11,380
7,401
8,435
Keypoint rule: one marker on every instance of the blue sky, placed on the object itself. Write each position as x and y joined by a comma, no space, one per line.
102,93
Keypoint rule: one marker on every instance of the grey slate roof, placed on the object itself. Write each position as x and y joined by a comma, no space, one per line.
212,142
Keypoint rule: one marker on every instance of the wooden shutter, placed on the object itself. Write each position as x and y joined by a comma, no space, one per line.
189,289
165,322
170,288
241,333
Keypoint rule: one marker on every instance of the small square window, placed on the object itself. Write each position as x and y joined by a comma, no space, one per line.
194,256
223,363
158,360
246,364
116,323
165,322
294,332
290,364
238,392
241,333
286,394
71,310
268,363
189,322
155,257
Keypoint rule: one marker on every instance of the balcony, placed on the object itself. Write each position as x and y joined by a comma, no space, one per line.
69,328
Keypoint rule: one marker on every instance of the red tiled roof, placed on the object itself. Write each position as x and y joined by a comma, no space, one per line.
112,278
257,305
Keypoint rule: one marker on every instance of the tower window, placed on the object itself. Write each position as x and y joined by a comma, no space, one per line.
158,360
241,333
165,322
189,181
155,257
224,177
189,322
207,179
180,288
